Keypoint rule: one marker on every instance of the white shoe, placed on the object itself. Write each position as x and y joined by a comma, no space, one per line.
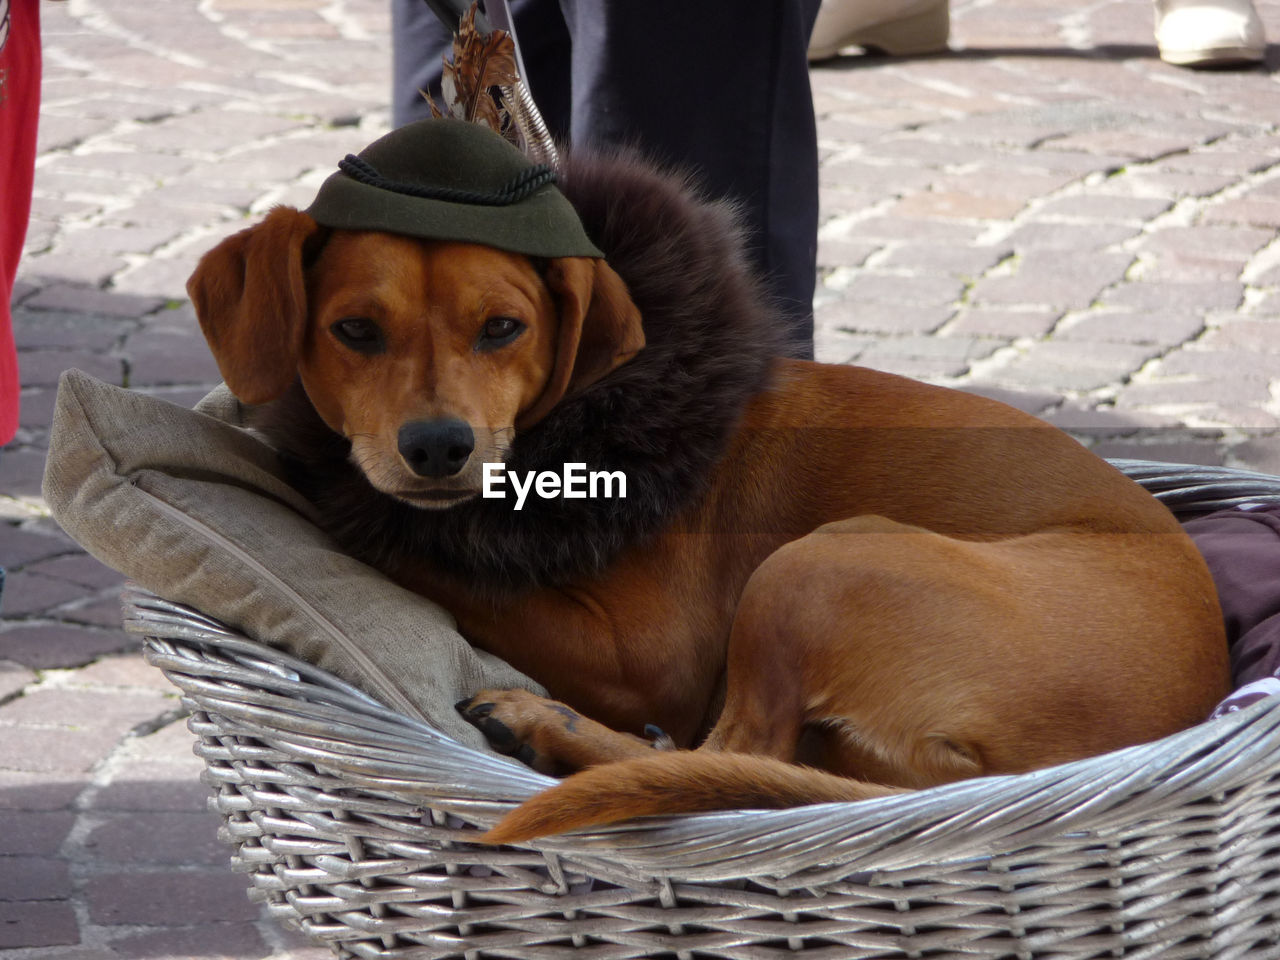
897,27
1209,33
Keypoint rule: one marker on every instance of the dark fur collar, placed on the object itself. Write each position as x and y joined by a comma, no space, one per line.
663,418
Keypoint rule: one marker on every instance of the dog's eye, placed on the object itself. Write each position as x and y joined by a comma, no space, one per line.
498,331
359,333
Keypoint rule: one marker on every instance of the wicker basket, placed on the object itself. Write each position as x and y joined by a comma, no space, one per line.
352,823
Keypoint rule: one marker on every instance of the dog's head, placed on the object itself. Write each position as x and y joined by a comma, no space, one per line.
427,355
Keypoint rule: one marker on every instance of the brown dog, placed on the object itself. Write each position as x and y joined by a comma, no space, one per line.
899,584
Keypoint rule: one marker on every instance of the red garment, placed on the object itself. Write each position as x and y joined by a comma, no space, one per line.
19,114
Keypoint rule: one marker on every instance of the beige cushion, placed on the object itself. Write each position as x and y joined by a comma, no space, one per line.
193,507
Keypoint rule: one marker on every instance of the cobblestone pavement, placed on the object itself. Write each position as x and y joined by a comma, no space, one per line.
1048,213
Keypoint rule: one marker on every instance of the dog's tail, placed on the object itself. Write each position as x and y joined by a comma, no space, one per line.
672,783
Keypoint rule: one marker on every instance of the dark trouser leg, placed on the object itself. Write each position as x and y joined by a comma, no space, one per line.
719,87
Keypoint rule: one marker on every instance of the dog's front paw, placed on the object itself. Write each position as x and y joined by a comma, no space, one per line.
515,723
547,735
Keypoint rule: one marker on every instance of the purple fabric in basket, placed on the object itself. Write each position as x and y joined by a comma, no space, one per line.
1242,549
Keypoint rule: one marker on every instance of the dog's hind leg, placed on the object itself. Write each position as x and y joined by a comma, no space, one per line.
914,658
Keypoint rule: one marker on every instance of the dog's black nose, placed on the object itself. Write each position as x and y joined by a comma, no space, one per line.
436,448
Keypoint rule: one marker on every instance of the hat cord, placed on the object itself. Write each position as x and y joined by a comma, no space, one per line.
528,181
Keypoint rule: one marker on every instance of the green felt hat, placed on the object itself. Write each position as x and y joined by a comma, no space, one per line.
451,180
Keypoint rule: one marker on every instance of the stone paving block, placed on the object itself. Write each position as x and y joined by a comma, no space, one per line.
19,547
171,743
28,833
115,161
1010,323
42,646
830,343
917,368
1239,417
926,152
1055,160
42,368
1143,182
1215,241
101,611
844,252
26,594
86,187
157,786
115,712
947,259
208,132
38,924
63,133
1218,365
151,897
21,471
1204,452
868,286
79,299
1188,392
881,317
79,568
125,670
41,236
1054,278
1180,268
232,940
89,269
54,750
33,878
1176,298
65,330
1257,454
162,276
25,790
1039,235
160,837
1069,366
1107,209
158,358
949,204
1211,160
916,229
63,211
204,186
947,350
1256,211
126,241
1095,422
1117,326
1243,334
13,676
1135,146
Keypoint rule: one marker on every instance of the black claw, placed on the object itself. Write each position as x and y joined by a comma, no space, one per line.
478,711
461,705
499,734
659,739
526,755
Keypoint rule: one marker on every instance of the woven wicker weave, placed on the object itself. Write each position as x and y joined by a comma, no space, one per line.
352,823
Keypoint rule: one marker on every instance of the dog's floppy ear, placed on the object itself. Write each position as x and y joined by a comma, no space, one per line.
251,300
599,329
